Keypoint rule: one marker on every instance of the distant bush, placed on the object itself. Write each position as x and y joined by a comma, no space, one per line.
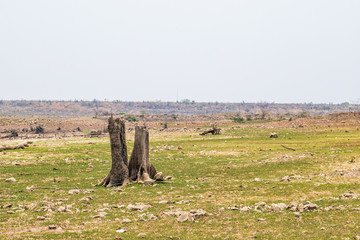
131,119
175,117
248,119
238,119
1,102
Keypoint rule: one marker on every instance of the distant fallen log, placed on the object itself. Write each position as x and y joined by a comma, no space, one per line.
13,134
19,146
213,131
95,133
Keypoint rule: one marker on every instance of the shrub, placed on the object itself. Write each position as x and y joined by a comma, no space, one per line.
238,119
131,119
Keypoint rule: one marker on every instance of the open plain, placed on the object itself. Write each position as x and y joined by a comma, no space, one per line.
240,184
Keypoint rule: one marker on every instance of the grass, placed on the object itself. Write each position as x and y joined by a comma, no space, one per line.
213,172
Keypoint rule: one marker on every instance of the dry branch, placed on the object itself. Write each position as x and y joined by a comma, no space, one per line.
19,146
288,148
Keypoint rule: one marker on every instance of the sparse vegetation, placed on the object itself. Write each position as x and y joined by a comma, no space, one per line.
238,119
131,118
239,178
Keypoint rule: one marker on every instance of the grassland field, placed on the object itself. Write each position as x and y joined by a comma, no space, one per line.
248,184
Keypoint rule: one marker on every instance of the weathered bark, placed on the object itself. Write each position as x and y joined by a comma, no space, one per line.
119,174
214,131
139,166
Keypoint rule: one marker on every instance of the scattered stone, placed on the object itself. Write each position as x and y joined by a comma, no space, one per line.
40,218
257,180
285,179
184,217
10,212
166,202
273,135
138,207
308,206
141,235
152,217
322,229
10,179
278,207
183,202
261,220
86,199
349,195
245,209
159,176
100,214
197,213
74,191
120,230
8,205
297,214
90,165
52,227
61,209
126,220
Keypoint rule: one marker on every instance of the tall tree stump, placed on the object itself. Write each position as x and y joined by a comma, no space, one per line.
139,166
119,174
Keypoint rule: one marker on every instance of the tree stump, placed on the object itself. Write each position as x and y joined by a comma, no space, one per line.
139,166
119,174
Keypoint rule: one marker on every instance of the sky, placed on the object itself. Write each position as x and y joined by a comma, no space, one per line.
281,51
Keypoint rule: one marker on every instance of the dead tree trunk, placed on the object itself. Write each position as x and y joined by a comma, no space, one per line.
214,130
139,166
119,174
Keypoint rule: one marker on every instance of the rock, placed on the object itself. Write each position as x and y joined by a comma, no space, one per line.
183,202
8,205
245,209
120,230
90,165
86,199
138,207
40,218
285,179
126,220
61,209
185,217
348,195
52,227
166,202
74,191
141,235
308,206
273,135
297,214
278,207
197,213
152,217
10,212
322,229
100,214
168,177
159,176
261,220
257,180
10,179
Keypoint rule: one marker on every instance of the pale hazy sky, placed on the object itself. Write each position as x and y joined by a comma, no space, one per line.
226,51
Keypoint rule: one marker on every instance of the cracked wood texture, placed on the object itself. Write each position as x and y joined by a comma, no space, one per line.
119,174
139,166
